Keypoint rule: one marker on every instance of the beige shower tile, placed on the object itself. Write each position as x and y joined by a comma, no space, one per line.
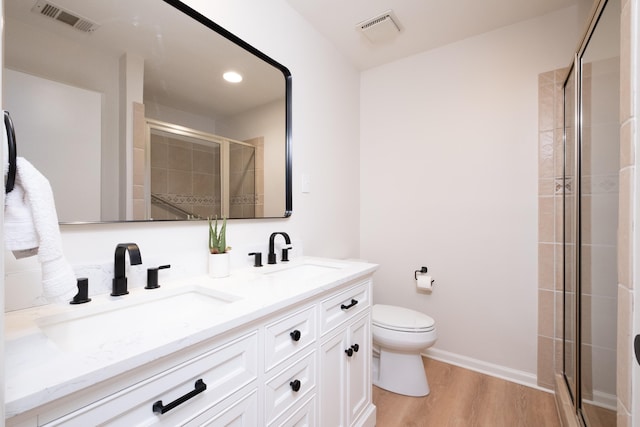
203,184
179,182
559,259
627,151
139,209
558,355
179,158
546,313
561,74
546,107
546,163
558,106
546,266
625,226
203,162
158,180
546,78
158,155
559,219
625,346
626,67
546,219
138,166
559,312
139,126
558,153
138,192
546,187
545,362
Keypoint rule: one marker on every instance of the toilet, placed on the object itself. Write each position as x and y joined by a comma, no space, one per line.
399,336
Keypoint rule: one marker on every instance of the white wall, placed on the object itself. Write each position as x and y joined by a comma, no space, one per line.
47,135
98,73
325,146
449,181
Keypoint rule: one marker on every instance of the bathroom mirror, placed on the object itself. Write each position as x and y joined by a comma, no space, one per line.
89,83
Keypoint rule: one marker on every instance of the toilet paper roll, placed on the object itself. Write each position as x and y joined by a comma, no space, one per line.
424,282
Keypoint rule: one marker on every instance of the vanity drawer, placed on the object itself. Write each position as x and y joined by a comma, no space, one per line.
288,336
225,369
280,391
305,415
345,305
242,412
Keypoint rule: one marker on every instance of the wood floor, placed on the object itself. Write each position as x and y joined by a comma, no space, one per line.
463,398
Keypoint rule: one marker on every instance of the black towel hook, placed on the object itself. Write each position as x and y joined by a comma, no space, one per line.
11,141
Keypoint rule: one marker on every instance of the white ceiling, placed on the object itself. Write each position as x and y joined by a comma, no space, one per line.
426,24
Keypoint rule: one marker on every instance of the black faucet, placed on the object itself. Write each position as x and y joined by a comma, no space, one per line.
285,251
119,278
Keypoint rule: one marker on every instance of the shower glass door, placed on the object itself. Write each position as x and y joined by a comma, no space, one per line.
599,169
590,218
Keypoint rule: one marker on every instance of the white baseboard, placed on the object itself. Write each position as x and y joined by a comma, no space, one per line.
519,377
604,400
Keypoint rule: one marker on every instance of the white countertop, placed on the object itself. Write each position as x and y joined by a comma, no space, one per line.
42,365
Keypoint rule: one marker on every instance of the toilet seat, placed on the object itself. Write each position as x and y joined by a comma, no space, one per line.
401,319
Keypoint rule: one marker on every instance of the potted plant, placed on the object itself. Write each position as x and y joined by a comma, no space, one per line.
218,249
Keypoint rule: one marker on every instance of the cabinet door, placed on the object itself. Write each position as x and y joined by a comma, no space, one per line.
358,369
333,363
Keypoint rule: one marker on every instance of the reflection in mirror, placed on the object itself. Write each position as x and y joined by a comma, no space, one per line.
92,101
191,173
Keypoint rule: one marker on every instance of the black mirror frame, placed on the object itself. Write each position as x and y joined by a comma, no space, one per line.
287,76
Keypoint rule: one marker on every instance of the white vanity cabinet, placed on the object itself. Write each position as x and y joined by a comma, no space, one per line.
345,358
303,362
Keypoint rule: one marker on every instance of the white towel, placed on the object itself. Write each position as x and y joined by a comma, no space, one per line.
31,226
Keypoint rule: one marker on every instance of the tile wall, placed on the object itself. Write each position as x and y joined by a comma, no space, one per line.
550,237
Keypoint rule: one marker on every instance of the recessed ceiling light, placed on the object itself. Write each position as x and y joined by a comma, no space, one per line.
232,77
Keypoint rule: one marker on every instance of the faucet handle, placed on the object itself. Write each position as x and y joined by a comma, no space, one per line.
152,276
83,292
285,253
257,260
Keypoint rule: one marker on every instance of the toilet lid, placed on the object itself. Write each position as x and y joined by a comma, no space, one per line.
401,319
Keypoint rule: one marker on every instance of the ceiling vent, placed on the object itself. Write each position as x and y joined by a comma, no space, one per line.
381,28
50,10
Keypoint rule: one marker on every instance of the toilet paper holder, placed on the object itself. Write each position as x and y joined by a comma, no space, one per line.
423,270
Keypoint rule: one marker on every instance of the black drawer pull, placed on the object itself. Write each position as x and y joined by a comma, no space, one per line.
347,307
349,352
295,385
158,408
295,335
355,347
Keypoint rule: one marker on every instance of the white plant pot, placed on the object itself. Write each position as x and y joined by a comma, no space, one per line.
219,265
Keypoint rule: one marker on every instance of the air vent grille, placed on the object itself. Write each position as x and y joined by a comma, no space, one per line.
50,10
376,21
381,28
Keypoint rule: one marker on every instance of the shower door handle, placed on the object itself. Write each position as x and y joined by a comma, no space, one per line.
636,348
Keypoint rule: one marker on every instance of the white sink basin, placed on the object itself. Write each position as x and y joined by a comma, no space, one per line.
135,322
304,271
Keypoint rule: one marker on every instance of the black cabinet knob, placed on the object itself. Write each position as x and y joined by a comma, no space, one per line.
295,385
349,352
296,335
355,347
